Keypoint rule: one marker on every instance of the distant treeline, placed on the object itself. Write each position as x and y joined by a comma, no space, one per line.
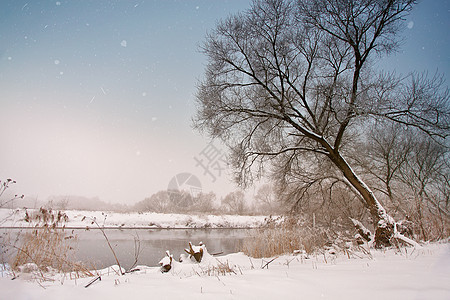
167,201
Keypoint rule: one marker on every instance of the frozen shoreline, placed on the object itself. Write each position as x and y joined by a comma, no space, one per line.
14,218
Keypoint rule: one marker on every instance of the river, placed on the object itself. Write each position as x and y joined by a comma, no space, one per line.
91,247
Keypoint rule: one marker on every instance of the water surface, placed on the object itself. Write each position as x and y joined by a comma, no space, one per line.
92,249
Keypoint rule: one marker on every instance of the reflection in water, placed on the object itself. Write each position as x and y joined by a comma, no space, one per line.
92,248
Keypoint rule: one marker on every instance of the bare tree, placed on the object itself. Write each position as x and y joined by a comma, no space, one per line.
159,202
177,202
388,148
425,176
204,202
267,200
234,202
290,83
410,173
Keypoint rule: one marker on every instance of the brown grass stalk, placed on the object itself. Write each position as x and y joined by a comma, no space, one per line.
284,238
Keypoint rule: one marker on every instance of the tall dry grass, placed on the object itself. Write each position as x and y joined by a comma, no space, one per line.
48,247
284,237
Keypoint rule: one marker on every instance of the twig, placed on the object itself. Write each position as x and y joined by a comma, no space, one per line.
267,264
133,270
93,280
288,262
109,244
251,262
137,252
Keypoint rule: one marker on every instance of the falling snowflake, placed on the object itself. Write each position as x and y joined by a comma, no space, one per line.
410,24
56,62
58,3
123,43
9,58
144,94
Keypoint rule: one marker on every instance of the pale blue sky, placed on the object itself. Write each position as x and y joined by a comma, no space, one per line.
96,97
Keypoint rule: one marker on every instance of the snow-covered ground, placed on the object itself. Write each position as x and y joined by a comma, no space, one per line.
83,219
408,273
389,274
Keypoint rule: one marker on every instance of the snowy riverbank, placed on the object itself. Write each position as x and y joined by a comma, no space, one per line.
83,219
386,274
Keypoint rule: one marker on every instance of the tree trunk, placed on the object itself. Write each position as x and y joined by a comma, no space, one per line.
384,224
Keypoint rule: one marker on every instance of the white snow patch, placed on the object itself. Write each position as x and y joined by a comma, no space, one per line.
390,274
82,219
165,261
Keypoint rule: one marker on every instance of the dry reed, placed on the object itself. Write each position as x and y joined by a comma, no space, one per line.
48,247
222,269
284,238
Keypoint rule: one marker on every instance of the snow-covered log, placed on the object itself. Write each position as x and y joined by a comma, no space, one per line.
195,251
365,233
166,262
362,230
